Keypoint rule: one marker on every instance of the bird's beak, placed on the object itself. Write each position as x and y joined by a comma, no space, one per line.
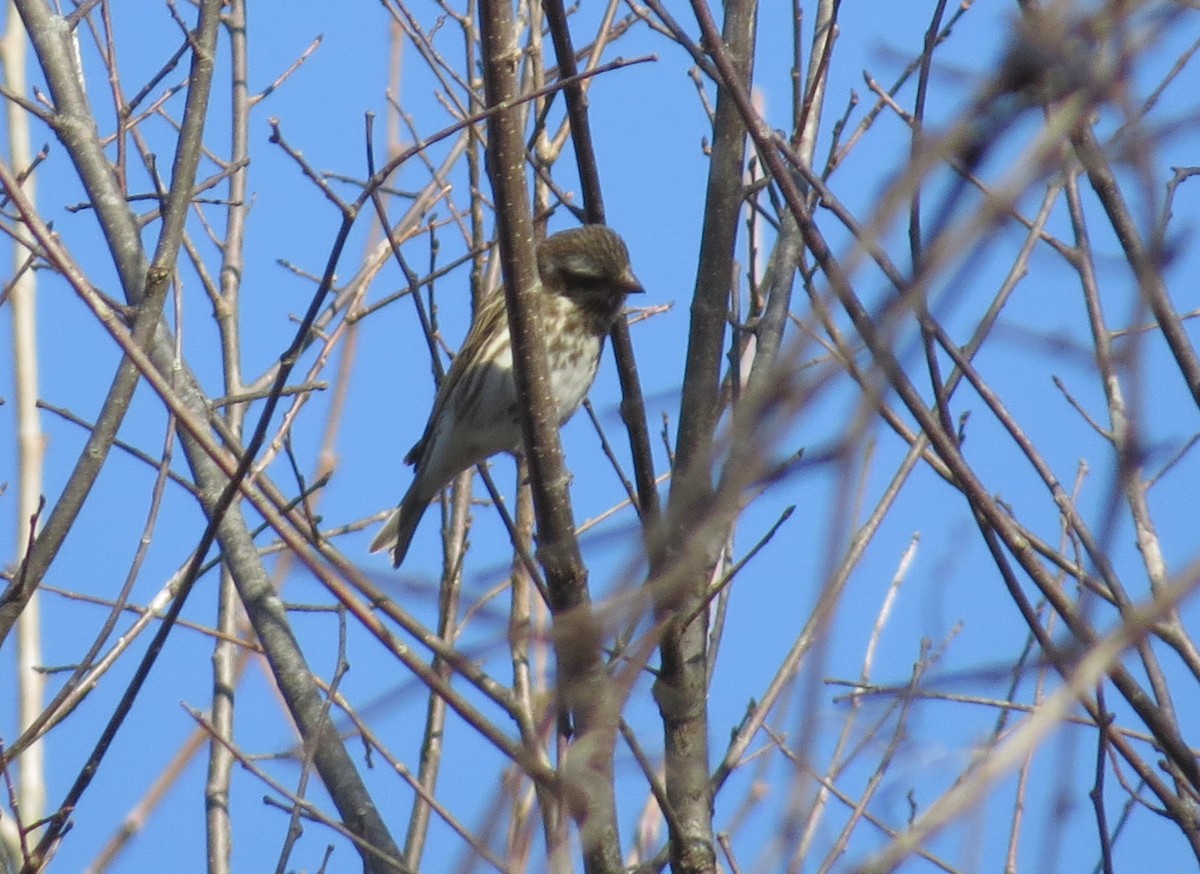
630,284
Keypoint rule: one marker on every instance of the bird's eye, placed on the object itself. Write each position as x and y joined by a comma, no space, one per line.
584,281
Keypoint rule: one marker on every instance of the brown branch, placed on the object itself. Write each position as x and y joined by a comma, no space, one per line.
681,687
1146,263
633,406
76,129
1000,532
581,677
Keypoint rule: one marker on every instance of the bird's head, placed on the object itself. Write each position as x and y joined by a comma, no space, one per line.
590,264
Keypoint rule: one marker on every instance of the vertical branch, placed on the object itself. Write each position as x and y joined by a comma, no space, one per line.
915,239
75,126
1145,263
581,676
633,406
709,309
681,687
432,737
30,682
226,654
785,255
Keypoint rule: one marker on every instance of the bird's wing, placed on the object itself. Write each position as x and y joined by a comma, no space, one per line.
490,322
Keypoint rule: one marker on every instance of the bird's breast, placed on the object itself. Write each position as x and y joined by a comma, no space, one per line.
572,372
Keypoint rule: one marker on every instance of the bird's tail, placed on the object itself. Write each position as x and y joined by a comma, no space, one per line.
397,532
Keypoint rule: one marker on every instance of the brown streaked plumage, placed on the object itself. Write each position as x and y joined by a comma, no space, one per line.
585,276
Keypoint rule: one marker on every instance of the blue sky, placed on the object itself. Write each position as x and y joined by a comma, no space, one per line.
649,129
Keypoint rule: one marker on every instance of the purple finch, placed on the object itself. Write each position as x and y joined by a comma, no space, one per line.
585,275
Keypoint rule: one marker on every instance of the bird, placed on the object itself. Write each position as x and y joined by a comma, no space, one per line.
585,276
